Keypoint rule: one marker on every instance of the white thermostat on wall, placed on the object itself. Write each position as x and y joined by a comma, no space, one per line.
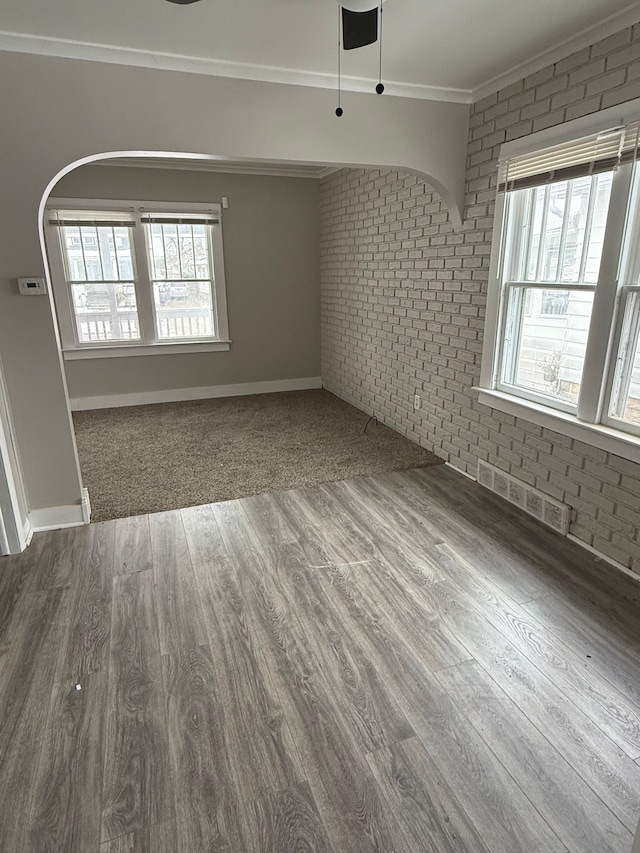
32,286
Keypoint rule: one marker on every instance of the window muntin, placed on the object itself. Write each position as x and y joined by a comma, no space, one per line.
137,278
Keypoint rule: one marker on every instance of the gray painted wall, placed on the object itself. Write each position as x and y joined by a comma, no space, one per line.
55,112
270,234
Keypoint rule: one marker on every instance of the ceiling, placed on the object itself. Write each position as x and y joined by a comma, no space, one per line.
446,49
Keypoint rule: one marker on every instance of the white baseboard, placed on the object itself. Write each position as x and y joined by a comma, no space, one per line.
629,572
460,471
619,566
207,392
27,533
55,517
85,506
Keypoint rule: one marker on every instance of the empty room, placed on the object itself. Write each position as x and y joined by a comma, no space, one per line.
401,243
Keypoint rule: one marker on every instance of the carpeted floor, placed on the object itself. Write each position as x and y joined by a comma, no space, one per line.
144,459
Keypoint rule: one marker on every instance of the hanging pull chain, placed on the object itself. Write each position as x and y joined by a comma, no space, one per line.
380,87
339,110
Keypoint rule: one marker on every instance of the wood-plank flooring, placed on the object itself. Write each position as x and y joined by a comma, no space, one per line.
392,663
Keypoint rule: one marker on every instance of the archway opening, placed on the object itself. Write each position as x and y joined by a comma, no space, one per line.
268,215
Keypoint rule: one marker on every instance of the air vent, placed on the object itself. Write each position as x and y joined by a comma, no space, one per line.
536,503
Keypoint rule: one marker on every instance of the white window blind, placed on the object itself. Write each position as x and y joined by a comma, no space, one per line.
159,219
598,152
91,218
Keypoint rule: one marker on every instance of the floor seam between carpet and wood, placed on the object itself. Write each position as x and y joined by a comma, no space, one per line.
143,459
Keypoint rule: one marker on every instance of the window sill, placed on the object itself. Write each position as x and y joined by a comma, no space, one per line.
145,349
597,435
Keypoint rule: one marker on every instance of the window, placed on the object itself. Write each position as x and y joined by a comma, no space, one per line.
554,235
562,335
131,278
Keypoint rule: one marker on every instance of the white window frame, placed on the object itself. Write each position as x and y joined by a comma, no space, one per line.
149,344
588,423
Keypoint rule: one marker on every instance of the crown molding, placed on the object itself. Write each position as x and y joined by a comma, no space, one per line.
261,168
585,38
69,49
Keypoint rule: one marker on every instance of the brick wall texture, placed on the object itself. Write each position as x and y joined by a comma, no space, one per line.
403,302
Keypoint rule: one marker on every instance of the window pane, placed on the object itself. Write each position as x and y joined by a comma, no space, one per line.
101,253
123,253
557,230
178,252
552,234
532,232
180,259
155,245
625,402
184,309
105,312
546,340
576,231
554,302
186,248
631,401
74,255
593,252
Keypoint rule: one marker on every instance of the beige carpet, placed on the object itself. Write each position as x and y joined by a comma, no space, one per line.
144,459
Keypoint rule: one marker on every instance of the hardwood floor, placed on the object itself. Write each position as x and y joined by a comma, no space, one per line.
392,663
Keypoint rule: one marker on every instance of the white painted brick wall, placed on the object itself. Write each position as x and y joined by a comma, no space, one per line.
403,302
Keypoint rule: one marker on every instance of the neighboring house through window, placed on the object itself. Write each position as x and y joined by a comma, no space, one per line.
136,277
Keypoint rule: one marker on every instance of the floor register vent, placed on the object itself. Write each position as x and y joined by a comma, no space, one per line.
536,503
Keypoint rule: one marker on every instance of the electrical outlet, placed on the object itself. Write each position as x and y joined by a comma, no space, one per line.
417,402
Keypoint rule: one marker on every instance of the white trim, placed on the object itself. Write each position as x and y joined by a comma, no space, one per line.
460,471
488,365
207,392
131,206
12,493
164,348
262,168
602,342
616,565
85,505
636,840
28,532
12,539
329,170
585,38
610,440
55,517
4,542
149,343
70,49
